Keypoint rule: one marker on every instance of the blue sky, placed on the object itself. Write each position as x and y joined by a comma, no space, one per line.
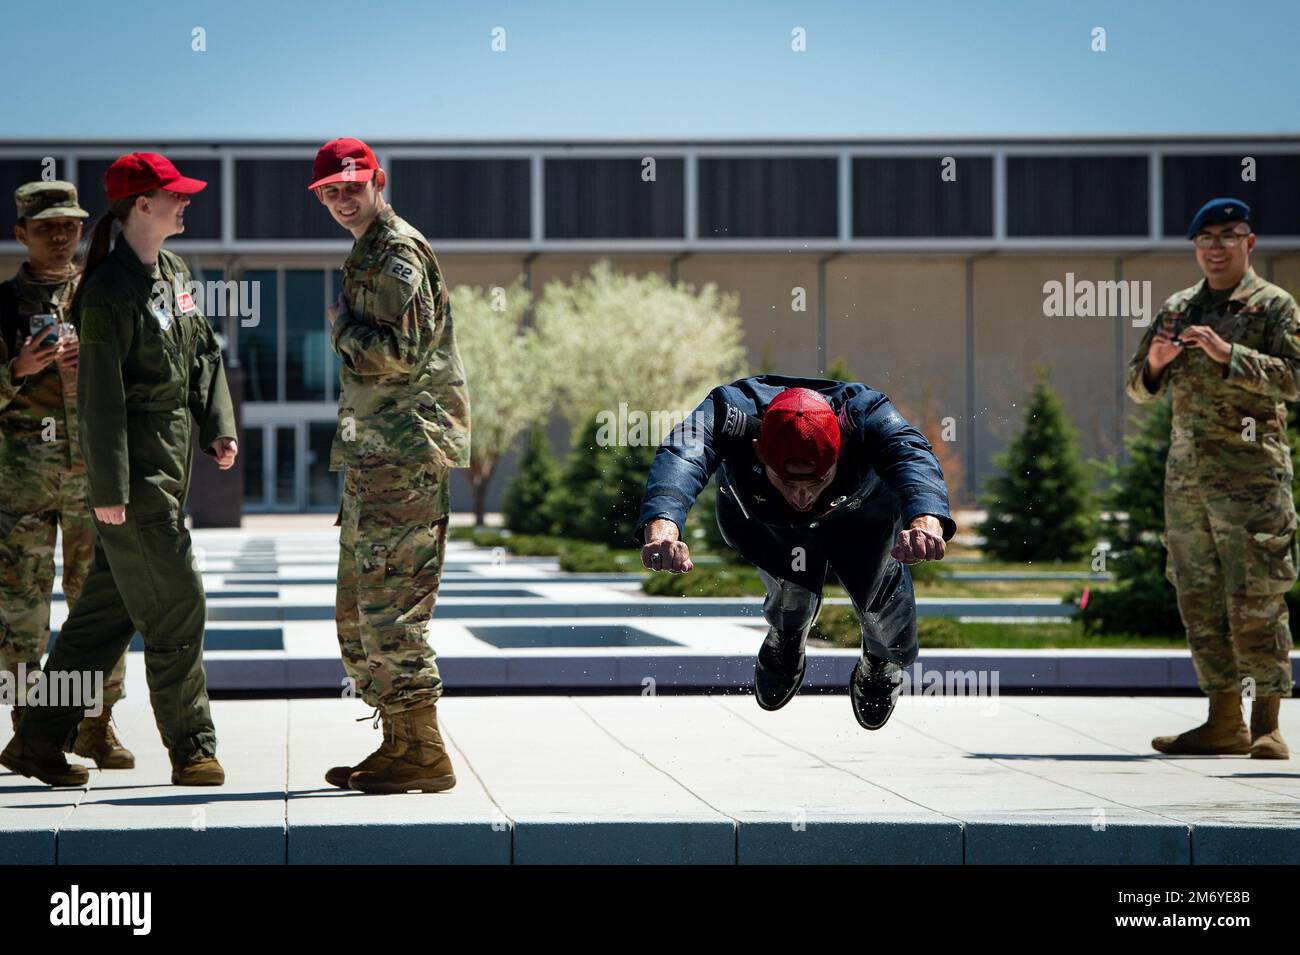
414,70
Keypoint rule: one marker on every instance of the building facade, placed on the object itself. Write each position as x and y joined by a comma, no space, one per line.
922,264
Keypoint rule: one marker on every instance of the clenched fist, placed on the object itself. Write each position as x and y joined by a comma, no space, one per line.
663,551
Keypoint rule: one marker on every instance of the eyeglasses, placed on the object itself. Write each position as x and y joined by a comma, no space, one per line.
1229,240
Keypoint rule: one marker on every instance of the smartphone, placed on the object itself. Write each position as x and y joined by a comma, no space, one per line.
47,325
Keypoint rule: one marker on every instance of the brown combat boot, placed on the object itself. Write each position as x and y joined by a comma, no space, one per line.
45,761
1224,733
419,761
201,770
339,775
96,740
1266,740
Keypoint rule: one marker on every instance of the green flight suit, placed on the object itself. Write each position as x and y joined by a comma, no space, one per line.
42,482
150,372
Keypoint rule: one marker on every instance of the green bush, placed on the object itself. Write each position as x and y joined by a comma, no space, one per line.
524,506
928,572
1040,504
1142,601
584,558
598,495
479,536
702,523
838,625
534,545
941,632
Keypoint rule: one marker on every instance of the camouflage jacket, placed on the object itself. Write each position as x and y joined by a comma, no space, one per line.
150,369
38,413
404,400
1215,406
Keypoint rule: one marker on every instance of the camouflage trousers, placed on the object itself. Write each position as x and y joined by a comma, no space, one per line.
392,537
29,521
1232,558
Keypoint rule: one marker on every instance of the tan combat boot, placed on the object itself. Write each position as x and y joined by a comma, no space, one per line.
339,775
419,760
201,770
96,740
1224,733
1266,740
45,761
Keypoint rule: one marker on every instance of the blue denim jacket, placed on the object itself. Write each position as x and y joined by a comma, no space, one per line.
884,460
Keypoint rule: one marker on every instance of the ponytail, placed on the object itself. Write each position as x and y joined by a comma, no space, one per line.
98,248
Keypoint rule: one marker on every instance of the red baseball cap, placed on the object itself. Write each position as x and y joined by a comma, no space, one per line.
343,160
799,424
137,173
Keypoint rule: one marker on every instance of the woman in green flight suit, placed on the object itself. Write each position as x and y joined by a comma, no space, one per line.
150,373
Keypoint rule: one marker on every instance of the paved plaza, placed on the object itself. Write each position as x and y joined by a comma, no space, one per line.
704,779
588,723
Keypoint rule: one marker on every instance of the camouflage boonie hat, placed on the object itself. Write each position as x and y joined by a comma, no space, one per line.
48,200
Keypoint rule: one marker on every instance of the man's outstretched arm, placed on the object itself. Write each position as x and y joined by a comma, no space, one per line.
906,462
681,469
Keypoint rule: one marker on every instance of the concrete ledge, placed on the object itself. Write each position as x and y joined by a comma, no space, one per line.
1071,839
634,842
140,845
27,847
1244,844
1086,670
845,840
400,843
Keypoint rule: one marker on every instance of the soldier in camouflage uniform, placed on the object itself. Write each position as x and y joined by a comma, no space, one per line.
403,425
1228,349
42,474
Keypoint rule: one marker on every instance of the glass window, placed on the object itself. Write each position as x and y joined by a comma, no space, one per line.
322,484
608,199
1077,196
286,467
257,342
1188,182
463,198
304,335
272,201
775,198
332,362
251,451
906,196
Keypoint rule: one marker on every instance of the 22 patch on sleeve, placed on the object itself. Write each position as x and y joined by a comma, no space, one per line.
402,270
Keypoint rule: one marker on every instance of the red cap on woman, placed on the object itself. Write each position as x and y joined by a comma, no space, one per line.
138,173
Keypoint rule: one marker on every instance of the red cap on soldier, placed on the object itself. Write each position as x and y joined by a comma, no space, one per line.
138,173
343,160
799,424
